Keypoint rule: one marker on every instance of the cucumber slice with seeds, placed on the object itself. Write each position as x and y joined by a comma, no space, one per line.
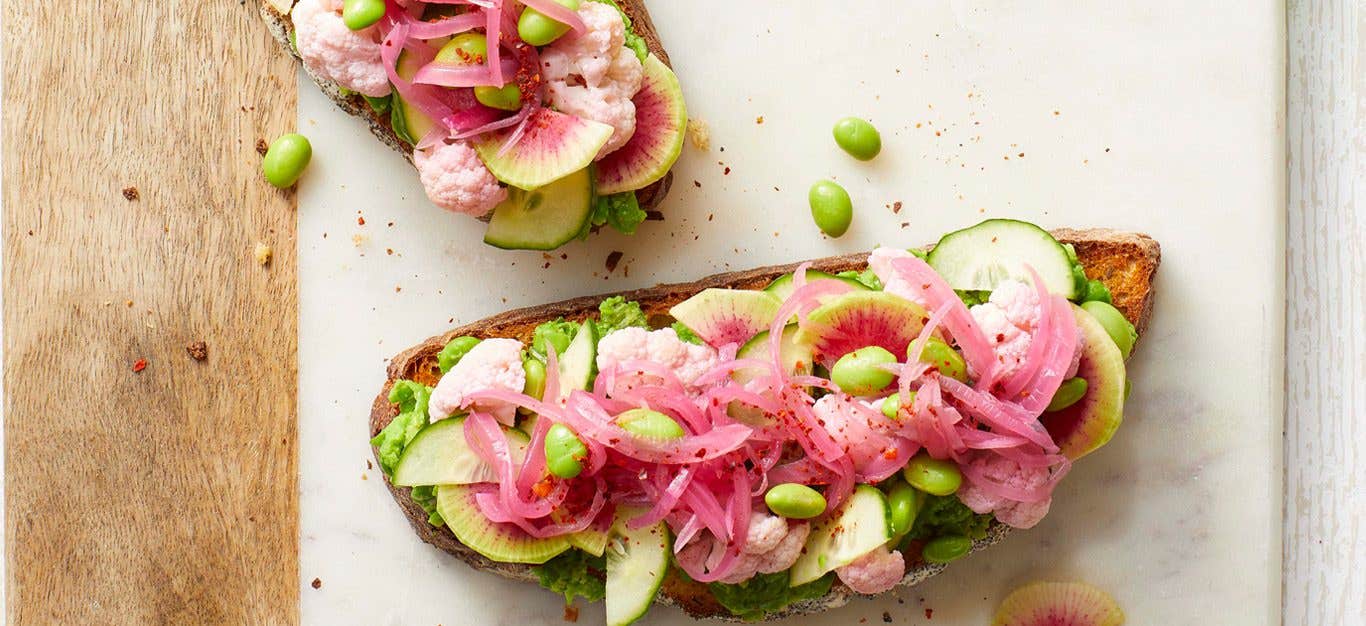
862,524
980,257
637,561
543,219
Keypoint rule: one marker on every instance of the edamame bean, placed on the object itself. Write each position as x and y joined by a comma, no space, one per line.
932,475
903,502
464,49
859,138
361,14
1097,291
831,207
651,424
1069,393
454,351
1119,329
944,358
508,97
538,29
286,160
858,374
945,549
891,405
535,378
794,501
564,452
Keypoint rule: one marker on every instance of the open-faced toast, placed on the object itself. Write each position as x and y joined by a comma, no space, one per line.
1125,262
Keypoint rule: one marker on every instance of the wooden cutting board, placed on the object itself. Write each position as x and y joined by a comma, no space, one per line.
132,207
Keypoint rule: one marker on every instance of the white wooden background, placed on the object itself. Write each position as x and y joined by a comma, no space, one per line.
1325,488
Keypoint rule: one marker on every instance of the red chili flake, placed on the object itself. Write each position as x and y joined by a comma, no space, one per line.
543,488
571,613
317,583
896,206
139,365
726,172
360,221
701,453
929,613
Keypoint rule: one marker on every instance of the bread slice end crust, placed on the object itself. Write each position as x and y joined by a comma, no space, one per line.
1126,262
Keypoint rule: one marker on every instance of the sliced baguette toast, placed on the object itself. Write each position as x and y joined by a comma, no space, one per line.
276,15
1126,262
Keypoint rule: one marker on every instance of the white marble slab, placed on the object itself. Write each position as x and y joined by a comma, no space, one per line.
1160,116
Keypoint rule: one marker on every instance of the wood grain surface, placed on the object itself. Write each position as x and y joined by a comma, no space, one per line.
165,496
1325,495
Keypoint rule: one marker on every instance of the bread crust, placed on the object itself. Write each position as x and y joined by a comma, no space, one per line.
280,26
1126,262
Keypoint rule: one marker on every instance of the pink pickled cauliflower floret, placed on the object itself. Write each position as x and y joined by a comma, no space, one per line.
1004,471
594,75
880,261
347,57
493,364
688,361
773,545
873,573
1009,319
860,433
457,180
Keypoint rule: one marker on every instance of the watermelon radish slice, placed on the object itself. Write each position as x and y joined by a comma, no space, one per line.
858,319
1091,422
722,316
552,146
660,120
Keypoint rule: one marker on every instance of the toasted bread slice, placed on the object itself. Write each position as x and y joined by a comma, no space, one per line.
276,15
1126,262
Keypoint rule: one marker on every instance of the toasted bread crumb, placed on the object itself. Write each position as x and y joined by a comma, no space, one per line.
699,135
317,583
198,350
131,194
358,240
261,147
571,613
612,260
263,253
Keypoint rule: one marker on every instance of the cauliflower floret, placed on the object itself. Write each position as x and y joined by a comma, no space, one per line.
1009,319
347,57
594,75
457,180
859,430
773,545
1004,471
880,261
493,364
688,361
873,573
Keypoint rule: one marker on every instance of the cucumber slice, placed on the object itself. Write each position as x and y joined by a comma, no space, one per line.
860,526
439,455
504,543
544,219
980,257
592,540
782,287
636,563
413,119
579,361
796,358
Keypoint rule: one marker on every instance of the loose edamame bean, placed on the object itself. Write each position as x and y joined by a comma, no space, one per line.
651,424
508,97
932,475
361,14
831,207
1097,291
943,357
946,548
538,29
859,138
1119,328
794,501
535,378
858,374
1069,393
903,502
286,160
564,452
